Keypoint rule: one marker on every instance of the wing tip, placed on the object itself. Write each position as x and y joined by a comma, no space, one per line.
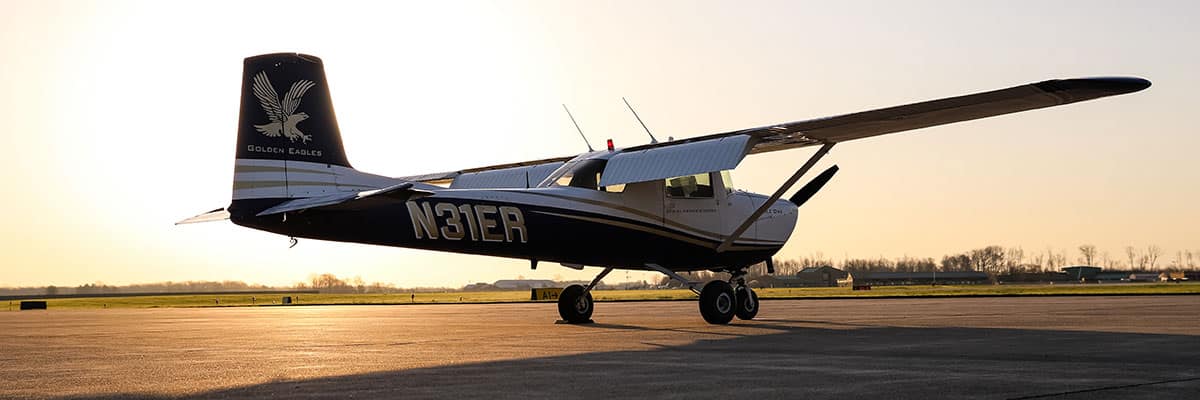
1090,88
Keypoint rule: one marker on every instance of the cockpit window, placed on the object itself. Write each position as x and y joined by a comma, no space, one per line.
697,186
585,174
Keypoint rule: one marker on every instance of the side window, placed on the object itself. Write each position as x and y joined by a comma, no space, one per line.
697,186
613,188
727,180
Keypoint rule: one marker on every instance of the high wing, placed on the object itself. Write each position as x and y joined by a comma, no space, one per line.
883,121
725,151
500,175
722,151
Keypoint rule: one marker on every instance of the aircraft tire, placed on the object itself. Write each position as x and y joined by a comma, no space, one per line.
574,306
746,310
717,302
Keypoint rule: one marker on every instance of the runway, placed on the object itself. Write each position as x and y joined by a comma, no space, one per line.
997,348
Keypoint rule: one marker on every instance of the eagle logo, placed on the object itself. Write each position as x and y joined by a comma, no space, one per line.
283,114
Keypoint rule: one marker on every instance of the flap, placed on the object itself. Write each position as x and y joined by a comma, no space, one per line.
662,162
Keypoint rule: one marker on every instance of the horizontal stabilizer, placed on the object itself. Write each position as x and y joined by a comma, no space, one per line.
813,187
215,215
351,201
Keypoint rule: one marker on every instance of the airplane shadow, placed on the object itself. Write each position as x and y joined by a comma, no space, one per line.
801,362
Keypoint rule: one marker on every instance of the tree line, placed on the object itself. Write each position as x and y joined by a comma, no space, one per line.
999,260
324,283
994,260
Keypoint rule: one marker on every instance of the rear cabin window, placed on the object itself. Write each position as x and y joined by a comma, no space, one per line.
697,186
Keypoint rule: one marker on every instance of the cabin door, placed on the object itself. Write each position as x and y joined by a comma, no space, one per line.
692,204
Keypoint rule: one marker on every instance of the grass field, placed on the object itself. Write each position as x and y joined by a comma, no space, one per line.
609,295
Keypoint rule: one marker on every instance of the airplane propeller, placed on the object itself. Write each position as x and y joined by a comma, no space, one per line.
813,187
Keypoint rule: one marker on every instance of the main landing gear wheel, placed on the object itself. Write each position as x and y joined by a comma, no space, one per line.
717,302
747,303
575,306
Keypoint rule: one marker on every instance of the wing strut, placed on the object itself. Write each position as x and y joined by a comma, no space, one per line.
737,233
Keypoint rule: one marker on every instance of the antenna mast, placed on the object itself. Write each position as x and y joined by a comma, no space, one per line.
639,119
585,141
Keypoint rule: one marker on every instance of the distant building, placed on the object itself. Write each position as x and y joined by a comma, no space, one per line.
512,284
813,277
1082,272
1046,276
919,278
479,286
1112,277
1146,277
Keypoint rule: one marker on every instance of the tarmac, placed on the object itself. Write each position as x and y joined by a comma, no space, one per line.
991,348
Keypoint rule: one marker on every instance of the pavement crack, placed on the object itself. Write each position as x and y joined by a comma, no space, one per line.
1042,396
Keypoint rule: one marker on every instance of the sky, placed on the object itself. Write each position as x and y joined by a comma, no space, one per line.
119,118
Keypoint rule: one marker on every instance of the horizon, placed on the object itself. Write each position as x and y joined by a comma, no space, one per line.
122,117
1185,261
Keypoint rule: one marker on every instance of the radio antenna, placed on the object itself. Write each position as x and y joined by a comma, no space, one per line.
585,141
635,115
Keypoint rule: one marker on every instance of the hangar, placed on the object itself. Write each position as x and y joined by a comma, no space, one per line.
917,278
1082,272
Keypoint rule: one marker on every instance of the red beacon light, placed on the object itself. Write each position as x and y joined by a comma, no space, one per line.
610,145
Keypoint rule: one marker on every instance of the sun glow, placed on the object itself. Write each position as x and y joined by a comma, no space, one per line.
120,119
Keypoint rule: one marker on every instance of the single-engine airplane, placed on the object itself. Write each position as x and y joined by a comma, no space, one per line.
664,206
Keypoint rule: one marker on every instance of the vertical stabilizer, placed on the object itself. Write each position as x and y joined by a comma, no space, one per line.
288,141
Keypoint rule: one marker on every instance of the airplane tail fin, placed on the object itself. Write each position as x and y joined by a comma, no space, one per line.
288,143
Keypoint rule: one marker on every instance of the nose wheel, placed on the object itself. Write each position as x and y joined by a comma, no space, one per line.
747,303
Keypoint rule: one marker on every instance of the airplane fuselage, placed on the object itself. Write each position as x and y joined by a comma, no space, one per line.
556,224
